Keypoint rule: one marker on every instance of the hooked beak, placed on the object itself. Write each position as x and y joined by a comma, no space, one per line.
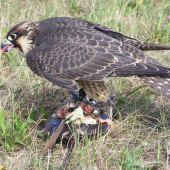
6,45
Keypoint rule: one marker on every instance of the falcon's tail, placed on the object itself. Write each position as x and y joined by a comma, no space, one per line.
159,84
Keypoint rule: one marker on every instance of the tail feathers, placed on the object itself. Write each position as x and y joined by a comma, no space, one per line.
159,84
144,46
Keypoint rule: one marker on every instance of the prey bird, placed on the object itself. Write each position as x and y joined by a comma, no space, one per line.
78,54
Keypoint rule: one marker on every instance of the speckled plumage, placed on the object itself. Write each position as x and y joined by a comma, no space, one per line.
72,52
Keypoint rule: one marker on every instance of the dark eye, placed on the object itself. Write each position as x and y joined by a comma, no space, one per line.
12,37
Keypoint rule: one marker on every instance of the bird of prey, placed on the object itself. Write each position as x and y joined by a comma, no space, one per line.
75,53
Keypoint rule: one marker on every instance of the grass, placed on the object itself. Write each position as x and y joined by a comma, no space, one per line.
141,141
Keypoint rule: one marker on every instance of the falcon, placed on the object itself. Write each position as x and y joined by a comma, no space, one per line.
78,54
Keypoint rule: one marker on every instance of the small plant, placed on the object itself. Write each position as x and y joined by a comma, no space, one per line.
130,157
14,130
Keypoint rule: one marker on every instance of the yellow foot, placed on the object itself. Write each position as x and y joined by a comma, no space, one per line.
108,121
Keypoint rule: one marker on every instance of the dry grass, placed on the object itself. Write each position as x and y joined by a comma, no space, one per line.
141,141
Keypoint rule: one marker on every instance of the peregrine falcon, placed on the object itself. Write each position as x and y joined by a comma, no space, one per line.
75,53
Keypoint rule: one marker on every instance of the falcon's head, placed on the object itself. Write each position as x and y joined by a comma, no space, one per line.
21,37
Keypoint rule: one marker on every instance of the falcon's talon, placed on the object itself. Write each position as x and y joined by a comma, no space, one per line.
108,121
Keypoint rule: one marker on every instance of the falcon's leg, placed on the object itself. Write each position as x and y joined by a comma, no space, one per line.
74,95
79,96
108,100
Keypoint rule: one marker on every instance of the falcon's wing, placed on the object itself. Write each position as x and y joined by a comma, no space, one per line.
68,53
142,45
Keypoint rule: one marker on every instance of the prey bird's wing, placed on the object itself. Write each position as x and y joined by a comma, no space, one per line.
74,50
